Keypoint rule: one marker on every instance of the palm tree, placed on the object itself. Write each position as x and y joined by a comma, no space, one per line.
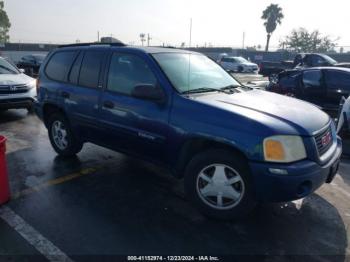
272,15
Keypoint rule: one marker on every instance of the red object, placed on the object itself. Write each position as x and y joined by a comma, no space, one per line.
4,182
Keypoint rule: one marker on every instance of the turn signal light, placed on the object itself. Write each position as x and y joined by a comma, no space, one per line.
274,150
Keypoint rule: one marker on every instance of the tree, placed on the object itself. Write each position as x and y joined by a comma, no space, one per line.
301,40
272,15
4,24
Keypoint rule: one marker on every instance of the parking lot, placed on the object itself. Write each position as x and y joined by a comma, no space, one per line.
105,203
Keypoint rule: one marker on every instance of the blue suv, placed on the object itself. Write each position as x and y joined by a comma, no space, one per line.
234,146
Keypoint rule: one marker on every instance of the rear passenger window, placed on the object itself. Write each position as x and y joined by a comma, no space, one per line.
90,69
127,71
59,65
338,80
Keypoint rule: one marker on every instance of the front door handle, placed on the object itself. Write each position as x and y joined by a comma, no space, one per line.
108,104
65,94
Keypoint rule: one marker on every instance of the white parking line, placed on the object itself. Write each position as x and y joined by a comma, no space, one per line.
38,241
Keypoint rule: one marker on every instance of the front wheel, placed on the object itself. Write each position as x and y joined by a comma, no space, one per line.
62,137
219,184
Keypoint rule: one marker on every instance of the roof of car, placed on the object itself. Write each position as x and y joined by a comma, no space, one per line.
149,50
290,71
330,68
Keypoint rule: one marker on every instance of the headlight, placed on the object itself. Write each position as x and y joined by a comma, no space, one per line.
284,149
31,84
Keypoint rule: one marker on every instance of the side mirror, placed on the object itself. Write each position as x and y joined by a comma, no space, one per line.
22,70
148,92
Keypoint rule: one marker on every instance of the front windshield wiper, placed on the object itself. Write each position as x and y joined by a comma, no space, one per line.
202,90
229,87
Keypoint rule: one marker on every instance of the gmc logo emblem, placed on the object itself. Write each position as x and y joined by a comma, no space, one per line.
326,139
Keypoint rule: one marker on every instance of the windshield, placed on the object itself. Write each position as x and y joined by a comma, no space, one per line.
193,71
329,59
39,58
241,60
7,68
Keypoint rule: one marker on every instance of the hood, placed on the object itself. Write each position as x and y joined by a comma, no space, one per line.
347,65
14,79
272,110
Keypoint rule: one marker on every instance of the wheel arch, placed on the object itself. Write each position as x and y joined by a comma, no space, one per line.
196,145
49,109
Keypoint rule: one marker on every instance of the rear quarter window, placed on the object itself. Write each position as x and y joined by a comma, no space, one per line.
59,65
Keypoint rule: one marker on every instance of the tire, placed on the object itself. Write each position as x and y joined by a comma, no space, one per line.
240,69
220,167
59,128
30,109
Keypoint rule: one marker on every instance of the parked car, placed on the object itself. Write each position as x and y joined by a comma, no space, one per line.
17,90
31,64
238,64
267,68
233,145
323,86
343,120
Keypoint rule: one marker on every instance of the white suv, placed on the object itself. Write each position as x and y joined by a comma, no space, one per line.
238,64
17,90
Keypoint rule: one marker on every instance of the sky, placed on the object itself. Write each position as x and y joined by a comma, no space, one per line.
219,22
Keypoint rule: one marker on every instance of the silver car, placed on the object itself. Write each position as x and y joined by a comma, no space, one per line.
238,64
17,90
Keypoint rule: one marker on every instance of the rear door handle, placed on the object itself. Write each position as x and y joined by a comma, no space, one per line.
108,104
65,94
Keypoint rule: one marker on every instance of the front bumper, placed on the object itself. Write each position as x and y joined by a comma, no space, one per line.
20,100
304,177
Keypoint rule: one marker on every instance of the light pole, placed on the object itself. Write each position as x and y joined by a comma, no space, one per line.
142,37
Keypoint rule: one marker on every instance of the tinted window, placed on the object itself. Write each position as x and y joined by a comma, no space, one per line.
59,65
231,60
289,80
90,69
312,78
74,74
338,80
127,71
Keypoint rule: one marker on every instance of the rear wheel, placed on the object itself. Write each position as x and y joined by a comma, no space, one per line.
62,137
219,184
240,69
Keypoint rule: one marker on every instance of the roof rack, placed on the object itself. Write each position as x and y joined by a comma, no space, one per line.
93,44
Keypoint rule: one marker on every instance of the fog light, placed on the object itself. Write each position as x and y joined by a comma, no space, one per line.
278,171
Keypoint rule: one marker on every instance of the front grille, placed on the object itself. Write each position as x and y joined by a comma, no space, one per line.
13,89
324,140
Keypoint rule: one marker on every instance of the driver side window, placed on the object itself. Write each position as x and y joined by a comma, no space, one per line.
312,79
127,71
